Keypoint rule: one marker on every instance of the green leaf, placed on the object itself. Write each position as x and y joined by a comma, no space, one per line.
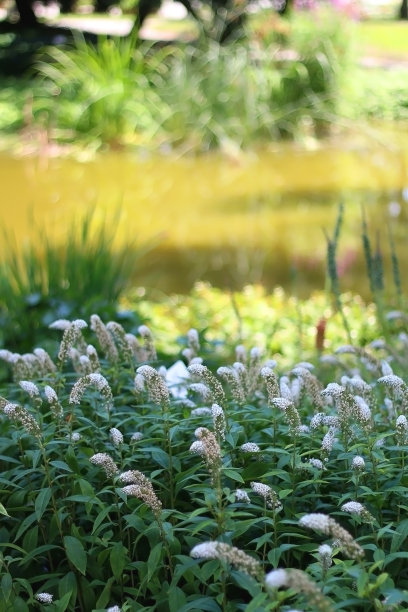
6,586
29,520
3,510
233,474
206,604
399,536
154,560
397,555
62,604
177,599
118,559
104,597
68,583
75,553
41,502
61,465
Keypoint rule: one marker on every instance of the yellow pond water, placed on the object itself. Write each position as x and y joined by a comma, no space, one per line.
229,219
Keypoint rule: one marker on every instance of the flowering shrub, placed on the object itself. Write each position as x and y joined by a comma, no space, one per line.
129,486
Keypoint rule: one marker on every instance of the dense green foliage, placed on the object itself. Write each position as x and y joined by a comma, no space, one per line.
112,476
45,280
199,96
291,78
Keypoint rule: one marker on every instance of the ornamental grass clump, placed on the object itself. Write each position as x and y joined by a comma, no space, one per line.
119,493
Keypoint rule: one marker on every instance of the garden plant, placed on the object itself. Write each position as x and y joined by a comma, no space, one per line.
130,486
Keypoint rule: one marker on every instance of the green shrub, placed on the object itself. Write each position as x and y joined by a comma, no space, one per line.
152,493
43,279
199,96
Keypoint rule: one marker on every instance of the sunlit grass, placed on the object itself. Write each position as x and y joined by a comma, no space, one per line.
384,37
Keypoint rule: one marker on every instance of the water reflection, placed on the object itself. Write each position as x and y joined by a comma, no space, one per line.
255,218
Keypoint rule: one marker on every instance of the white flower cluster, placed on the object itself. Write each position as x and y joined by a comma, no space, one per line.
230,554
358,463
320,419
97,380
353,507
157,387
106,462
202,411
20,414
250,447
242,496
271,499
30,388
45,598
136,436
116,436
325,555
218,420
324,523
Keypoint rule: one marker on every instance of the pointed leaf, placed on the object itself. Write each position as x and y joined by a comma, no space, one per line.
75,553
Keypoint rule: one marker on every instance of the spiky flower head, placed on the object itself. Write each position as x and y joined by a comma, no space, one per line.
141,487
316,463
203,390
271,499
327,443
358,463
30,388
242,496
136,436
104,338
193,340
106,462
93,358
396,384
310,383
328,526
201,411
353,507
92,380
320,419
71,334
202,372
44,598
125,350
47,366
325,556
301,583
229,554
271,383
250,447
156,386
209,449
218,421
231,377
197,448
291,414
148,343
19,414
116,436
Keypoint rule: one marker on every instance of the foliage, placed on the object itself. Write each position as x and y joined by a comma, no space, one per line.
198,96
106,89
284,326
43,280
115,486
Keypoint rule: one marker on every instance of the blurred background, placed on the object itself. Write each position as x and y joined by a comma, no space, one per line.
147,146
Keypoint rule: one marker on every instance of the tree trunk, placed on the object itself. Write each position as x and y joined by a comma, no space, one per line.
27,15
404,9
